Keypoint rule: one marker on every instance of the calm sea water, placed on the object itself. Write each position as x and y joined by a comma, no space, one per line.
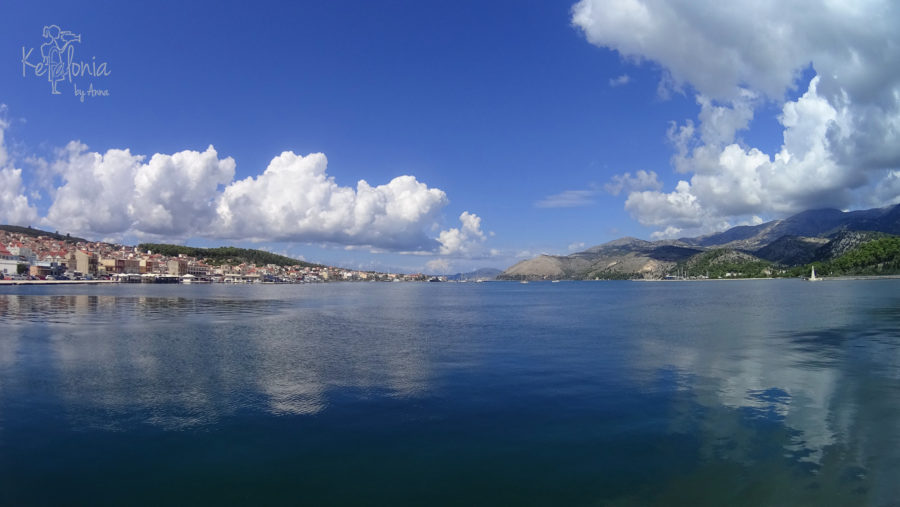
586,393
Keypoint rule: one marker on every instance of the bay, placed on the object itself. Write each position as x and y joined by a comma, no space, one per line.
766,392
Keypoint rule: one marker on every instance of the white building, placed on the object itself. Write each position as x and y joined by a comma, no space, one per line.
9,263
23,251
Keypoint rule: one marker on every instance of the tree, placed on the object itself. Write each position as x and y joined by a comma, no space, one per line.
21,268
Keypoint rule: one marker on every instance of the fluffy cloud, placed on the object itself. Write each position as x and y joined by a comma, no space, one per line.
174,194
294,199
96,191
731,181
14,205
466,240
679,208
193,193
720,48
841,137
116,192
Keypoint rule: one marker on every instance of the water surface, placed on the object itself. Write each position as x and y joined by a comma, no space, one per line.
772,392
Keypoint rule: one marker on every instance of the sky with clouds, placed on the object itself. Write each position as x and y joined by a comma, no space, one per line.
419,136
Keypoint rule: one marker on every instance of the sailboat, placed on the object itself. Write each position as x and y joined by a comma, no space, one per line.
812,276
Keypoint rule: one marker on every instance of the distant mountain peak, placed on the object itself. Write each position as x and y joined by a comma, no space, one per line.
795,239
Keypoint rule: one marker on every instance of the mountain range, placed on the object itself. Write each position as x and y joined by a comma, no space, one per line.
809,236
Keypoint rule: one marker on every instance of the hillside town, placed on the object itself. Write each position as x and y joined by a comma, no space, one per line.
44,257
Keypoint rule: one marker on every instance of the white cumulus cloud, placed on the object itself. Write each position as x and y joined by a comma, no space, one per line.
194,194
731,182
115,192
14,205
841,137
170,188
465,240
295,199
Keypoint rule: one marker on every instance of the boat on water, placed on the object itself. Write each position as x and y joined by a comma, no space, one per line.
524,281
812,276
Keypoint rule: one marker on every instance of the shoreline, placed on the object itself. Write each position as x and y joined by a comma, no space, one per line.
821,278
54,282
828,278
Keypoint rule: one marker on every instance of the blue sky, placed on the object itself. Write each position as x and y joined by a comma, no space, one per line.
514,123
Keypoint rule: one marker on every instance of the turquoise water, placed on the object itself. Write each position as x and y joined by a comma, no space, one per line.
774,392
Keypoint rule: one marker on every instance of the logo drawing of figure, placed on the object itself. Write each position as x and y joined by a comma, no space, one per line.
56,52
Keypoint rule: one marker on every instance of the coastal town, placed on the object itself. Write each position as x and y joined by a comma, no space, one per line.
36,257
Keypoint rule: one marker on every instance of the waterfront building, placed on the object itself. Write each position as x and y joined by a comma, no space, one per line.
9,263
199,269
177,267
85,262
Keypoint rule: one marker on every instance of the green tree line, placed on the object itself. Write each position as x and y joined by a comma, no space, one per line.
224,255
877,257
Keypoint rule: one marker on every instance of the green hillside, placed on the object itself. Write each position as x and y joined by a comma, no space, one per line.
725,263
225,255
878,257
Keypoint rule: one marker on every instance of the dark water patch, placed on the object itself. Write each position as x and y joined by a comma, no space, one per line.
750,393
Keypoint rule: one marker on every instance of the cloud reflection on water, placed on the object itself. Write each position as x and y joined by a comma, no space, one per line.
774,385
179,363
817,378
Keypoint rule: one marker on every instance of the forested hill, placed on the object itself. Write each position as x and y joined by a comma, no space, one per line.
877,257
225,255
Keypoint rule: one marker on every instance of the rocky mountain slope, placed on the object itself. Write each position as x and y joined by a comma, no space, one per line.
814,235
812,223
623,258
